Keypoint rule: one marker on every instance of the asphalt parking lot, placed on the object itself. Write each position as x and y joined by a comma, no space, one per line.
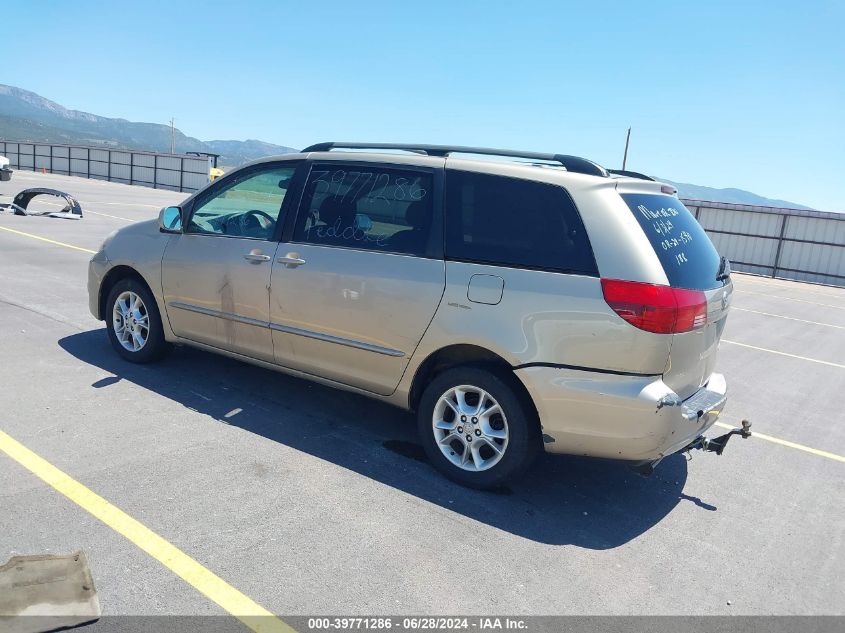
310,500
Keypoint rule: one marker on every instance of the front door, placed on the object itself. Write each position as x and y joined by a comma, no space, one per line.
356,287
216,274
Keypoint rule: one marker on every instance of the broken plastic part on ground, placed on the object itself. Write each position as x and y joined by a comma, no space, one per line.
20,204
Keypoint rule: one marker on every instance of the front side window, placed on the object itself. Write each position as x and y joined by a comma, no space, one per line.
514,222
363,207
249,206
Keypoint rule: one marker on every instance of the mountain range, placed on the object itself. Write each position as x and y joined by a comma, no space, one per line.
26,116
735,196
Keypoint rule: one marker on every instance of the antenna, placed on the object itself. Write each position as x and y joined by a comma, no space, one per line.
625,157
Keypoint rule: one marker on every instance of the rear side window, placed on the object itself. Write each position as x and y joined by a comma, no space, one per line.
514,222
687,254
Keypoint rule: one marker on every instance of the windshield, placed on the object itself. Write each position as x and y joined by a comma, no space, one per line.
687,254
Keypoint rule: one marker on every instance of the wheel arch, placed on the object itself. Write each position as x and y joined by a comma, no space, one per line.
459,355
114,275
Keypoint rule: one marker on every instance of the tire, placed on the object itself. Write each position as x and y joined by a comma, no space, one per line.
153,347
512,425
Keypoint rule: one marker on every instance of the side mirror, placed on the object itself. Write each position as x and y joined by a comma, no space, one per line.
170,220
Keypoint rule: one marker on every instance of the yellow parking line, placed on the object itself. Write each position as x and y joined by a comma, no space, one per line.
800,447
780,316
48,240
774,351
202,579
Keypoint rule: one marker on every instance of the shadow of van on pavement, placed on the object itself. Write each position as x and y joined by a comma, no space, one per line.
590,503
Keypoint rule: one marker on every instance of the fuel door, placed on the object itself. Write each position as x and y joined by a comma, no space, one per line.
485,289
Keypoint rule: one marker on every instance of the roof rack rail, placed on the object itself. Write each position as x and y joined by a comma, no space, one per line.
571,163
630,174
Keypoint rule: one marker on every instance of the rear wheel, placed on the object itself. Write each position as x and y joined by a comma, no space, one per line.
133,322
476,427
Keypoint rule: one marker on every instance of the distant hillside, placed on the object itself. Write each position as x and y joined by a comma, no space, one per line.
14,129
22,109
237,152
26,116
737,196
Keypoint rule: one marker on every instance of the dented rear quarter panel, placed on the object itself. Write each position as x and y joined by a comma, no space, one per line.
543,318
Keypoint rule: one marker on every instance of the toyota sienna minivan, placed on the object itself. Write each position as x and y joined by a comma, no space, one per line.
518,303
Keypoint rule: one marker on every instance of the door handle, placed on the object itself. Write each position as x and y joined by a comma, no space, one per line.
291,260
256,257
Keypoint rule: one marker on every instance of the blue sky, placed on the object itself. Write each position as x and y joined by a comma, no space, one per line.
733,94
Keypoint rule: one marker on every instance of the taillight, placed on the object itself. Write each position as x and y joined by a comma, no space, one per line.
655,308
692,309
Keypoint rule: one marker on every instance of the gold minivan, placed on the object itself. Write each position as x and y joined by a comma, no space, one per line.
536,302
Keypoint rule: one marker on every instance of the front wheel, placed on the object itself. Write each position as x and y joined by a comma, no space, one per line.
476,427
133,322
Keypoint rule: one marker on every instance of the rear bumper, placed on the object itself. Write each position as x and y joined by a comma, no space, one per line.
621,417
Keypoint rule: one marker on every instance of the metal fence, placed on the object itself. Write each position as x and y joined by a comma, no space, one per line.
175,172
785,243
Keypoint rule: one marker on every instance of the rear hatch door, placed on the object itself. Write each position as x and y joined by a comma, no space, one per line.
693,355
690,261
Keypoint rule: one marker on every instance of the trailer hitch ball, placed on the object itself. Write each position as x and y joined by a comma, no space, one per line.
717,445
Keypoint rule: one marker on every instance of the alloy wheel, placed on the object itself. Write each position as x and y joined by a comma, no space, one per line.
470,428
131,321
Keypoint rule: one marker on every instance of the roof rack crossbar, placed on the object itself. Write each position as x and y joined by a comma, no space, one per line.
571,163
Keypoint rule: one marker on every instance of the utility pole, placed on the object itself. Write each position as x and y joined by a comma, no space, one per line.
173,137
625,157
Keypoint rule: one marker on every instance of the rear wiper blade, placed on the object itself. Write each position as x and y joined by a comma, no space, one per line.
724,269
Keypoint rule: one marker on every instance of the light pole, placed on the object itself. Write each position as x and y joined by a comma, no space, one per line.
173,137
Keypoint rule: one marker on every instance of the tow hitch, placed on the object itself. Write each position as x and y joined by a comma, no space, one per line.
717,445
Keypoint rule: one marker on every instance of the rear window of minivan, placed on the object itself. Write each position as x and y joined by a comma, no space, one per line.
687,254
